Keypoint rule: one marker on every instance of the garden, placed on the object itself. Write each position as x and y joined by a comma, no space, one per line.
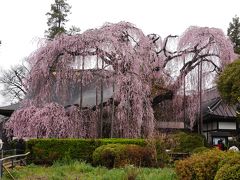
115,103
127,159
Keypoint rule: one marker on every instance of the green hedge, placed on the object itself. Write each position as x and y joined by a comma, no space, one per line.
46,151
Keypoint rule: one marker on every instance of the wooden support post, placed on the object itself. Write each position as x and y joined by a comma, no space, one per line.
81,88
113,107
101,108
1,168
184,97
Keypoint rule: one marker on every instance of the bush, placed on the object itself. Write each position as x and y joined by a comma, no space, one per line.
228,172
211,164
229,167
46,151
108,155
120,155
199,150
201,165
187,142
159,146
230,158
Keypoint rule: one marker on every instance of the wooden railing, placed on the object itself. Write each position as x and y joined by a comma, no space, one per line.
11,161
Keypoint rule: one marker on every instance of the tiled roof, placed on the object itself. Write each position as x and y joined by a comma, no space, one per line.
217,107
8,110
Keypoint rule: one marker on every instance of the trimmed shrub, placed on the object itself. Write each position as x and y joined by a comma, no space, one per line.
108,155
187,142
229,167
46,151
120,155
228,172
230,158
200,166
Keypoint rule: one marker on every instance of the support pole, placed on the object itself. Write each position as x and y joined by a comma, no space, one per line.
113,112
81,88
1,168
201,116
101,100
198,118
184,98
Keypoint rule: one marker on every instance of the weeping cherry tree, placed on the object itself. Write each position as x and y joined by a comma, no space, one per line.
124,59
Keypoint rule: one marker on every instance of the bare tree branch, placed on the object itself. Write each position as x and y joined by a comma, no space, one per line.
13,82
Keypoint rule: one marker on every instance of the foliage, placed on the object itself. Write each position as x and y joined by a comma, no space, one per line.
210,164
124,56
52,126
228,172
200,149
80,170
230,158
46,151
19,145
235,142
228,83
14,81
159,144
200,166
109,155
187,142
73,30
234,33
57,18
120,155
229,167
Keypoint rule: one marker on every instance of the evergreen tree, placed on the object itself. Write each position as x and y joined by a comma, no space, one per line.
57,18
229,82
234,33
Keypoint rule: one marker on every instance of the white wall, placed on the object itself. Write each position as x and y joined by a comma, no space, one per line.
227,125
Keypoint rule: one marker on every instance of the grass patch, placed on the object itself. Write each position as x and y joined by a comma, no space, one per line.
80,170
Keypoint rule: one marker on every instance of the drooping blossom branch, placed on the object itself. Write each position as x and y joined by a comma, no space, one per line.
123,55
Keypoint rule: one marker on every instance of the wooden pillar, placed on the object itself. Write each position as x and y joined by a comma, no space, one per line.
81,88
201,114
200,118
184,97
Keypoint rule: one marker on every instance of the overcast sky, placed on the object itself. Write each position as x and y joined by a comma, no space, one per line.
23,22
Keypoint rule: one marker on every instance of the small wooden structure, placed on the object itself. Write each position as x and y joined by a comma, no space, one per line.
12,161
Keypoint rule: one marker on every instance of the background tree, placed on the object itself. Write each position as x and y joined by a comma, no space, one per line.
228,83
234,33
73,30
14,83
57,17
